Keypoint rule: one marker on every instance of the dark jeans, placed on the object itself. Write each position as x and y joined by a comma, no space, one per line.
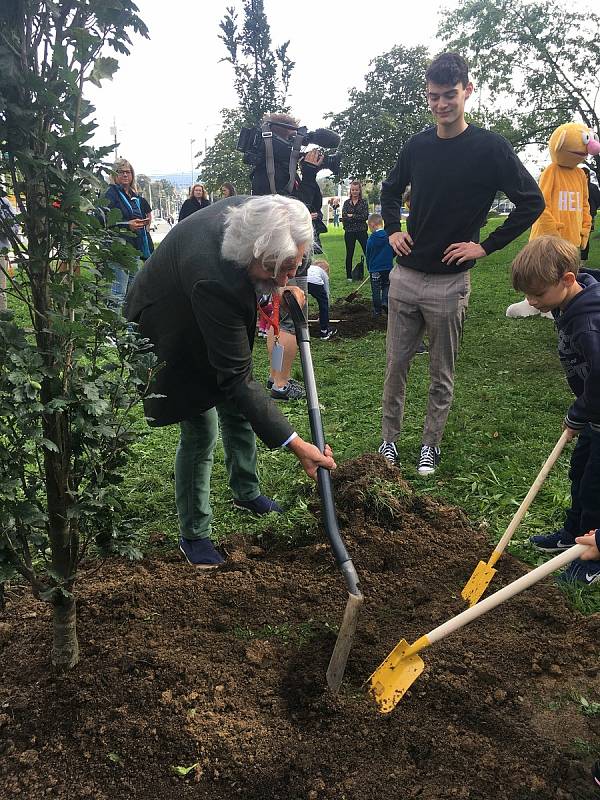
194,463
350,238
320,295
380,286
584,514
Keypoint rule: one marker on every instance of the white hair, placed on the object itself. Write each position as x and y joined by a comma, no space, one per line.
269,229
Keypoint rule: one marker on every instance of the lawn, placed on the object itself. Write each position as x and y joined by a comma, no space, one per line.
510,398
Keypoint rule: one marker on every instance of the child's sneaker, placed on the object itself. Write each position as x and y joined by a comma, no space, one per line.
578,571
554,542
389,452
596,775
270,383
291,391
326,335
428,460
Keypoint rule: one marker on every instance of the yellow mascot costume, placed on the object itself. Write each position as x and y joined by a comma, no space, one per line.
565,190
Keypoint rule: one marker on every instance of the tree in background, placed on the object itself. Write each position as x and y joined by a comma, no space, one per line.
223,162
382,117
261,80
539,59
67,397
261,77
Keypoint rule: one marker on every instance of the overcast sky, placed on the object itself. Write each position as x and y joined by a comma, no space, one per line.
172,87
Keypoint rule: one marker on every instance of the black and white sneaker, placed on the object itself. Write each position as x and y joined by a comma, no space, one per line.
389,452
324,336
428,460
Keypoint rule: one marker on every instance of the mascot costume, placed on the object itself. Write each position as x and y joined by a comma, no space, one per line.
565,189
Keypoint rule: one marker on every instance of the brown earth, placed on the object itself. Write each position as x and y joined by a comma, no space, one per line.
356,318
225,673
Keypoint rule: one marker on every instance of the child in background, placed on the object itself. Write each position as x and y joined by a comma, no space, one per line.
547,271
318,287
380,262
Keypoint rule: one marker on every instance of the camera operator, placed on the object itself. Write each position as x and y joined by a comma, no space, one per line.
286,143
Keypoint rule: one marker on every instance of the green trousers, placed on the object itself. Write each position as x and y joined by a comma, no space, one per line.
194,462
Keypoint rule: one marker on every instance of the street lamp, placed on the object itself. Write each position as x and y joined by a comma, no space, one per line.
192,160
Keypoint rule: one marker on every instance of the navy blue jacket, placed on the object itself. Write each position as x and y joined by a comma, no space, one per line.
579,350
380,256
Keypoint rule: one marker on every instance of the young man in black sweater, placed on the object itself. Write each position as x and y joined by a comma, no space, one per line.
454,170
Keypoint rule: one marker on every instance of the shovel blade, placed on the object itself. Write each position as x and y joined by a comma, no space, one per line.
478,583
343,643
394,677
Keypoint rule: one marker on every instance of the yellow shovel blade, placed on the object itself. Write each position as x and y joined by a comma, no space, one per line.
394,677
478,583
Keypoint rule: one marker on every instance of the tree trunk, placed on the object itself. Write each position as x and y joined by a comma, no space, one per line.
65,648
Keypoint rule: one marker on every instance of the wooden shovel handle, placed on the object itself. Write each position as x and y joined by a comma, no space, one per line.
522,510
506,593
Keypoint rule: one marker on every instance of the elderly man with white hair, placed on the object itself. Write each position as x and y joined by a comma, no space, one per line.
195,300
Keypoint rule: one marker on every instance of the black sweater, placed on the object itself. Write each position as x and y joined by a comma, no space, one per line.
579,349
453,184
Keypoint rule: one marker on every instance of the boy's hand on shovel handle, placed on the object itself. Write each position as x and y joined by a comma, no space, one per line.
572,433
592,553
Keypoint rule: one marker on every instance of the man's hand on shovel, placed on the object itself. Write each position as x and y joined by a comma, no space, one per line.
311,457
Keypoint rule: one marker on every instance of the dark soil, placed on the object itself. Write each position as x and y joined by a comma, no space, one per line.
227,672
356,318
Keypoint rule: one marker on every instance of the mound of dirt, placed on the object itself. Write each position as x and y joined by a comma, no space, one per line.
356,318
213,686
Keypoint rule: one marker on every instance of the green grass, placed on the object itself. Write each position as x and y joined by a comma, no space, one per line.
510,398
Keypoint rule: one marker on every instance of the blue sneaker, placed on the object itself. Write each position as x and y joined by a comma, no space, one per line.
259,506
200,553
555,542
578,571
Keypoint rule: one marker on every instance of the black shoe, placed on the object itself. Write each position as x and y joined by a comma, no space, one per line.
389,452
291,391
270,383
428,460
554,542
259,506
326,335
200,553
596,775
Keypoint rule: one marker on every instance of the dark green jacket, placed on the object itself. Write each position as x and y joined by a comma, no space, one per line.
199,311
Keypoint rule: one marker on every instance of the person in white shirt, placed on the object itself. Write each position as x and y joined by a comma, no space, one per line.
318,287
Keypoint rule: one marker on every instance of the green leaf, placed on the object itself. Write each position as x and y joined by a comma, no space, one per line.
104,68
183,771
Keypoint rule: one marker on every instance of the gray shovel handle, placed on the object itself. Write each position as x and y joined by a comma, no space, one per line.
332,530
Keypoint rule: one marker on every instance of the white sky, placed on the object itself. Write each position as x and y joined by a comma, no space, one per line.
172,87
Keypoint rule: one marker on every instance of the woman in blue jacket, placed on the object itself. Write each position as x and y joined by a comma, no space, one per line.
136,214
